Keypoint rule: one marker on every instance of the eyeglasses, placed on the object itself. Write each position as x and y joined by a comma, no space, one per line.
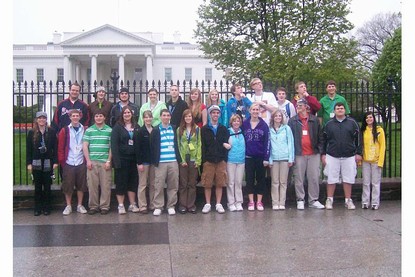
256,83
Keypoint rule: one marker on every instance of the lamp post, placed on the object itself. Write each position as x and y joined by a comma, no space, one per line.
114,77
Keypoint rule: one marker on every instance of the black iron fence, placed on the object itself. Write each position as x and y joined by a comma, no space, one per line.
30,97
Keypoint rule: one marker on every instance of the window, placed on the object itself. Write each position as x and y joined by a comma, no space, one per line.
167,74
188,74
60,75
19,75
40,76
20,101
40,101
138,74
208,74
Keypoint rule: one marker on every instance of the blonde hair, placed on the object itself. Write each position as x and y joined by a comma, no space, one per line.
233,118
209,99
274,114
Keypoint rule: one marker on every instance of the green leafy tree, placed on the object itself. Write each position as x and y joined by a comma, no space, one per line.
387,75
280,40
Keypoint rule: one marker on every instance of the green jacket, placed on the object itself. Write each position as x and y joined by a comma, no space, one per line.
192,146
156,113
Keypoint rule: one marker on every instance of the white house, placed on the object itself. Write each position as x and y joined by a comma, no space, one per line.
96,54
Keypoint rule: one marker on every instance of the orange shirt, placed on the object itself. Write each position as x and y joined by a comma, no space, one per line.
307,148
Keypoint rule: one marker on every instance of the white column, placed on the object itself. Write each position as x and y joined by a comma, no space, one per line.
66,69
93,68
149,68
121,68
78,73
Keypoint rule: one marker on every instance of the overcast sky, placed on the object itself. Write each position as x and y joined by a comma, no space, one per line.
34,21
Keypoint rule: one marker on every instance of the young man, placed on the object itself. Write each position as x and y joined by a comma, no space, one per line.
307,144
176,105
214,157
342,149
165,157
328,101
124,97
312,101
283,104
238,104
71,159
100,104
265,100
97,152
61,115
153,105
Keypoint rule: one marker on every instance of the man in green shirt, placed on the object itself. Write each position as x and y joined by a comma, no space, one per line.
97,152
328,101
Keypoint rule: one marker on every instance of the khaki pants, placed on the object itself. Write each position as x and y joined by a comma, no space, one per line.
309,165
166,173
98,178
279,177
146,179
187,185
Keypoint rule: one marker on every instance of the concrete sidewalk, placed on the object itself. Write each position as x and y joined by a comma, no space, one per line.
336,242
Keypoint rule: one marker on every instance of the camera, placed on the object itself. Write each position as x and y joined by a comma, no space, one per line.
43,149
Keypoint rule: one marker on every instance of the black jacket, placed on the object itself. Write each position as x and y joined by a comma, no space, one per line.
32,148
212,146
116,112
120,148
342,139
315,133
155,145
142,146
176,110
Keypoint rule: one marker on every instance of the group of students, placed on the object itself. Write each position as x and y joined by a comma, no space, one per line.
177,143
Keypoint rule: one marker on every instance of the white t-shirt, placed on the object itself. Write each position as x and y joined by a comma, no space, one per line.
266,97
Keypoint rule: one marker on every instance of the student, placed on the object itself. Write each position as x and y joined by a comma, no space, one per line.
116,111
100,104
215,148
265,100
256,132
97,153
313,104
214,99
124,159
285,105
176,105
236,164
328,101
238,104
190,148
72,160
374,147
41,161
145,169
153,105
281,158
199,111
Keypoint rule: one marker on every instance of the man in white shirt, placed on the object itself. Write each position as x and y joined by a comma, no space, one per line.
266,100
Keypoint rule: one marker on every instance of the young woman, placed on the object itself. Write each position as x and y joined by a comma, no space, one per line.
199,111
256,133
41,160
190,148
124,159
146,171
281,158
236,164
373,158
214,99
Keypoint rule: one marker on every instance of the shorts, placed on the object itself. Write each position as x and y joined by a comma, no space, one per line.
340,170
74,176
214,173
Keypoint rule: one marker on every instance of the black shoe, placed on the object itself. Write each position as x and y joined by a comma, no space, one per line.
46,212
92,212
192,210
37,213
104,212
182,210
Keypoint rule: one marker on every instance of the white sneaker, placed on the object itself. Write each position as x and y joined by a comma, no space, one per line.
121,209
206,208
316,205
220,209
300,205
275,207
171,211
232,208
133,208
282,207
349,205
239,207
375,207
157,212
67,211
81,209
329,204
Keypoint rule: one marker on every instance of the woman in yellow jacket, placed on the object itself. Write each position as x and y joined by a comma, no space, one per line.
373,158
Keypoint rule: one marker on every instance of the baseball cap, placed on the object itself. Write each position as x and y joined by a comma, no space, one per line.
39,114
212,108
302,101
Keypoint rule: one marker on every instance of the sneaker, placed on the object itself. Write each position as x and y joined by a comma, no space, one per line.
232,208
133,208
121,209
316,205
251,206
329,204
67,211
282,207
349,205
104,211
81,209
365,206
206,208
239,207
275,207
220,209
157,212
171,211
92,211
300,205
375,207
259,206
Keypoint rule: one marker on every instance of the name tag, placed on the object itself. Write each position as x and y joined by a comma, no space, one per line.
191,146
130,142
305,133
171,148
331,115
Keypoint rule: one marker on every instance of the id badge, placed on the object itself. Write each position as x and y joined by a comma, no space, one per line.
305,133
331,115
130,142
78,149
191,146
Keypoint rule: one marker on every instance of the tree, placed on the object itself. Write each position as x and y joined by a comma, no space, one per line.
373,35
285,40
387,73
